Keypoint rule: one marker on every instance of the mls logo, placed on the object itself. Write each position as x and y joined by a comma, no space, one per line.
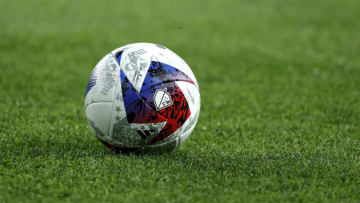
162,99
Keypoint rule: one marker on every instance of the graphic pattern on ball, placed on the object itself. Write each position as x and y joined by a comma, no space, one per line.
142,97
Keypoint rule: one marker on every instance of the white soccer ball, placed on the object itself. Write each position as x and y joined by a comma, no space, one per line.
142,97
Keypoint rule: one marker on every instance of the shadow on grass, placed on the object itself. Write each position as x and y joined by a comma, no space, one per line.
212,161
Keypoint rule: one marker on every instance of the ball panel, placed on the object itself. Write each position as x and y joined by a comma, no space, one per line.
125,134
135,62
186,132
192,96
101,84
99,115
172,59
159,74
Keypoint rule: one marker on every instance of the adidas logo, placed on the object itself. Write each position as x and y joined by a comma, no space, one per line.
145,133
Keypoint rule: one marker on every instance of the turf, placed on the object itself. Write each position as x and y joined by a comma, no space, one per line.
279,83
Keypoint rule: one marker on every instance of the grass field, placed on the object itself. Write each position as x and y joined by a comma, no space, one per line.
279,83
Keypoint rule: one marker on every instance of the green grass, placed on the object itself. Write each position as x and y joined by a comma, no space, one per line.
279,82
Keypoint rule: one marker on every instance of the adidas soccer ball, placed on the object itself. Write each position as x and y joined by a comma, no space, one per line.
142,97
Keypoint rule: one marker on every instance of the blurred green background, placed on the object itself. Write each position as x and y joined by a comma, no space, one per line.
279,83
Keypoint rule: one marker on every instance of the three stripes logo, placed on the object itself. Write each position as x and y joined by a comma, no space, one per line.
145,133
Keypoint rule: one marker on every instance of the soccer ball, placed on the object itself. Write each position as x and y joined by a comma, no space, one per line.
142,97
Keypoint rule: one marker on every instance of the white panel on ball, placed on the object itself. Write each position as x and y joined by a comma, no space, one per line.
104,77
99,115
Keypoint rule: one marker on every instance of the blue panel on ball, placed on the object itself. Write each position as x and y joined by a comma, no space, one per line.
159,73
137,111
